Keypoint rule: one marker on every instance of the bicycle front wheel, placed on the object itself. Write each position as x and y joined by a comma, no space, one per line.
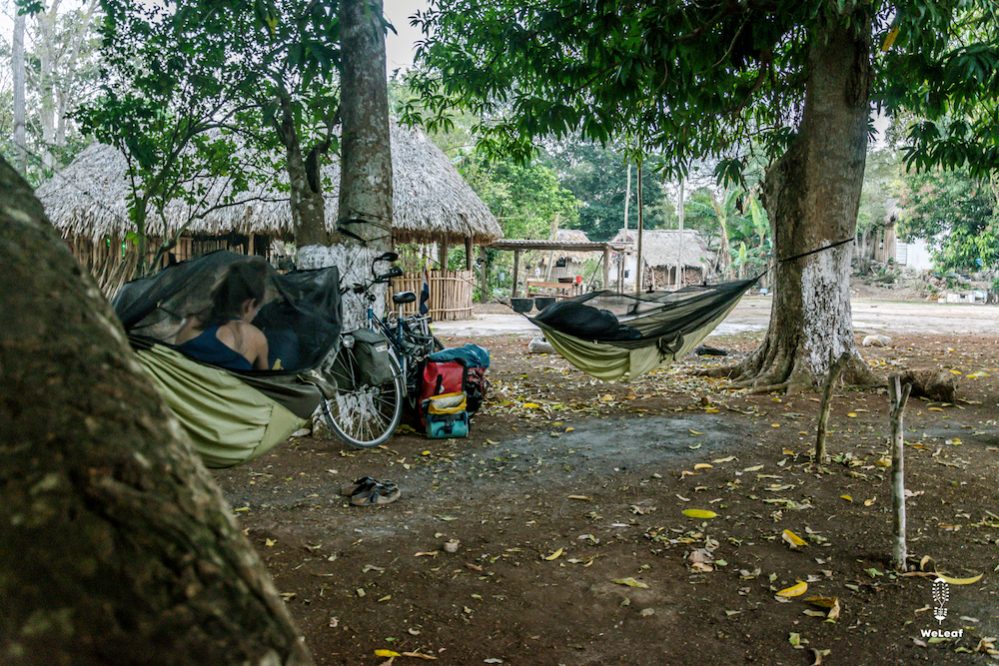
362,414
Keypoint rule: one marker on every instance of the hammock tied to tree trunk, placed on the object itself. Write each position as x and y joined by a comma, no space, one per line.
618,337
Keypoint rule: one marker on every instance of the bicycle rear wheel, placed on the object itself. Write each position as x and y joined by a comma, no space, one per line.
361,414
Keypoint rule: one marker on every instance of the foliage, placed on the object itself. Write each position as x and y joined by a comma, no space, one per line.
696,80
958,214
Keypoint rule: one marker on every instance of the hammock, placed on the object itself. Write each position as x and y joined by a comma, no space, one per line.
613,336
234,416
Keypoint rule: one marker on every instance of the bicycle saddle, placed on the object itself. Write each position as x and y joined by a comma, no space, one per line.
404,297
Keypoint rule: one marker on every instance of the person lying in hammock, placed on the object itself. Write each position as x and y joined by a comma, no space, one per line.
224,336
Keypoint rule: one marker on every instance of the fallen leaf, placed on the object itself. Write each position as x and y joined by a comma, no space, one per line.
795,590
959,581
630,582
793,539
387,653
270,543
848,498
581,498
554,556
702,466
700,514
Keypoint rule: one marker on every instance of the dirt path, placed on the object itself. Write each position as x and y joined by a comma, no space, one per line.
753,314
567,486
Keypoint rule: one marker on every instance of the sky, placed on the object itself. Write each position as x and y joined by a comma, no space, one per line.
398,47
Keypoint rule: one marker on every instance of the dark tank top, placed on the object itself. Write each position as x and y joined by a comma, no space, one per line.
207,348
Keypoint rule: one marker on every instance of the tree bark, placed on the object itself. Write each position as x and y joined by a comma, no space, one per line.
810,320
364,219
308,207
366,173
17,65
118,547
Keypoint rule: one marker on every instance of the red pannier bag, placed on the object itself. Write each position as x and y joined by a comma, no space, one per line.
441,377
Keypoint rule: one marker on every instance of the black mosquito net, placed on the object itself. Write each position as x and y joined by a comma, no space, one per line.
300,315
632,321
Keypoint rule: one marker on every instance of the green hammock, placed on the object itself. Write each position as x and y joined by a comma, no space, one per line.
617,337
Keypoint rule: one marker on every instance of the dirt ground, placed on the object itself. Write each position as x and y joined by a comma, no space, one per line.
567,501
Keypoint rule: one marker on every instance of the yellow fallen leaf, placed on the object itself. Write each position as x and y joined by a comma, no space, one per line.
869,502
387,653
956,372
531,405
788,452
711,410
699,513
425,452
775,425
568,429
848,498
606,397
883,462
703,466
718,461
694,432
793,539
630,582
795,590
581,498
935,409
822,602
977,374
959,581
270,543
554,556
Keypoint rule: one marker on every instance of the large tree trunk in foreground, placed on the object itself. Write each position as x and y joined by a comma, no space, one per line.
812,195
364,219
117,545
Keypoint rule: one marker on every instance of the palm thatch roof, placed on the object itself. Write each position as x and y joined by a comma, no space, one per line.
668,247
573,236
431,200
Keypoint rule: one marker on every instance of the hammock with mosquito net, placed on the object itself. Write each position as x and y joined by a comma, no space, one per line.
612,336
233,416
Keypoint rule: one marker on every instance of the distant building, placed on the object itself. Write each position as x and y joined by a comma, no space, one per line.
663,250
883,245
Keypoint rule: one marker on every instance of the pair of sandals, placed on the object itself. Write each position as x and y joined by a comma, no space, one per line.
368,491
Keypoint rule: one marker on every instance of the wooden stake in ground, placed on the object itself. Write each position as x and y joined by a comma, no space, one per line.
898,394
820,434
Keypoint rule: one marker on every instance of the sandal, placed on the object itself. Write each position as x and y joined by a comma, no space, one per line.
364,483
379,493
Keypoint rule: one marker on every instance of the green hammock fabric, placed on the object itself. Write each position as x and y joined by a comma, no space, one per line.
228,421
666,326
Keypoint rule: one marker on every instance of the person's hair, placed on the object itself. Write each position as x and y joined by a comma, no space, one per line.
244,280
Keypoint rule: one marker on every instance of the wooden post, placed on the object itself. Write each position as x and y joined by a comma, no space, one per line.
468,253
606,284
835,368
442,251
897,396
516,272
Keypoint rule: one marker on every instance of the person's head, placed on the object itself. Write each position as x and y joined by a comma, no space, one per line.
240,293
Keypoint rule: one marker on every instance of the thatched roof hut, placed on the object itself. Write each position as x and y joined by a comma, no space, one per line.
88,199
669,247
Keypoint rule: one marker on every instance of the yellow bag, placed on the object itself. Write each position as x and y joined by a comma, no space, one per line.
447,403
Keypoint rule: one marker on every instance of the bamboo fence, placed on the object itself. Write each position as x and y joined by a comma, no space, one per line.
450,293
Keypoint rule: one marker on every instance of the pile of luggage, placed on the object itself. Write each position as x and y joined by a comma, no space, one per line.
452,388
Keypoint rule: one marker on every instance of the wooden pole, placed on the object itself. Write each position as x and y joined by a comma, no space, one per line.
443,248
679,245
516,272
468,253
897,396
641,228
835,368
606,284
627,197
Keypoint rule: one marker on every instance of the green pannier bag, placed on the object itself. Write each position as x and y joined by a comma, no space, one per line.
374,359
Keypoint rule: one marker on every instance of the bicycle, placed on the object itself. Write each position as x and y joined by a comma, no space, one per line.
365,411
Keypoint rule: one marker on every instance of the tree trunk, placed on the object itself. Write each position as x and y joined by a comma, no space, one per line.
364,219
118,547
366,174
810,320
308,207
724,253
47,24
17,65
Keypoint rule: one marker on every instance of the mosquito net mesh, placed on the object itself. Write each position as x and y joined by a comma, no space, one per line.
300,315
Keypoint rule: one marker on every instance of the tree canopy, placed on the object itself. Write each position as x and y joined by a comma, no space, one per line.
710,79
